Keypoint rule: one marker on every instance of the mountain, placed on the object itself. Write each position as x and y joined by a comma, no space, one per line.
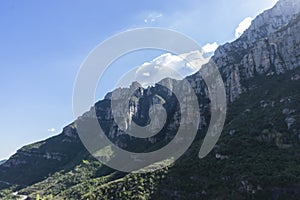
257,156
268,47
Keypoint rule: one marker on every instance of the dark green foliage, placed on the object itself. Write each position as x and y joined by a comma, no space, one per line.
257,157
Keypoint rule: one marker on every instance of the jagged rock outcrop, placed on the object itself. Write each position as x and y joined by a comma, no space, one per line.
269,46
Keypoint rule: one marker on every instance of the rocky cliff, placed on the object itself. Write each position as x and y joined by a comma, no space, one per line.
270,46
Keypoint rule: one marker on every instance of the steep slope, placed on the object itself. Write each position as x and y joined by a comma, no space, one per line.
34,162
270,46
260,71
257,157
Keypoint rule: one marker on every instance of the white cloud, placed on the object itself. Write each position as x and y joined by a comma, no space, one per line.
152,17
52,130
244,25
184,64
210,48
165,65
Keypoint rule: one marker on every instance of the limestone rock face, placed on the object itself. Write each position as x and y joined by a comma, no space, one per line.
270,46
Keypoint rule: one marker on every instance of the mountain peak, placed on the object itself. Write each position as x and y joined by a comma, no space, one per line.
271,20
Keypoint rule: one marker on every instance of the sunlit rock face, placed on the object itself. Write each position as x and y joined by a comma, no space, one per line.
269,46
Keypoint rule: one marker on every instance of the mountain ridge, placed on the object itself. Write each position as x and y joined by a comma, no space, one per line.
265,52
231,73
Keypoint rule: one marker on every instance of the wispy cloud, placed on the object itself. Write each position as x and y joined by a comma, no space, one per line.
244,25
152,17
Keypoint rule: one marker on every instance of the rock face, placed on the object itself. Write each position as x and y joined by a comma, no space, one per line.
33,162
270,46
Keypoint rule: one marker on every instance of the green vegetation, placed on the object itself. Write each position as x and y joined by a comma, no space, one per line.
257,157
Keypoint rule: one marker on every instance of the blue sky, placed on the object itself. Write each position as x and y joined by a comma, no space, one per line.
43,43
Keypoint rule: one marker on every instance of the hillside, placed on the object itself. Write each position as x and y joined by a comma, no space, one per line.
257,156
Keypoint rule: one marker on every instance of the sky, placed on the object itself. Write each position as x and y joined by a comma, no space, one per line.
43,44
